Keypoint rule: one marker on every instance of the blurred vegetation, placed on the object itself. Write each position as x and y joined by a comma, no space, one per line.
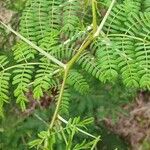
105,101
16,5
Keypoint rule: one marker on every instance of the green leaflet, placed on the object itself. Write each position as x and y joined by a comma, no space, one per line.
34,22
44,81
88,62
23,52
70,17
54,15
77,81
106,60
21,80
4,83
64,107
146,4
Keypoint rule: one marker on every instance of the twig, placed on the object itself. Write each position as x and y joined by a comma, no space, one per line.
83,46
104,19
34,46
80,130
76,35
59,98
38,117
94,15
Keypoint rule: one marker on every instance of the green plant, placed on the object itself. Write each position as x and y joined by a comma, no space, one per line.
57,44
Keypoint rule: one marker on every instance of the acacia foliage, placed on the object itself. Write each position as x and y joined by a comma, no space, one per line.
122,50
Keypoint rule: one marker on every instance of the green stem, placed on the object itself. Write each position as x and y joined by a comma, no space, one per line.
95,143
19,65
63,134
128,36
59,98
80,130
84,45
68,66
94,15
104,19
50,57
70,139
